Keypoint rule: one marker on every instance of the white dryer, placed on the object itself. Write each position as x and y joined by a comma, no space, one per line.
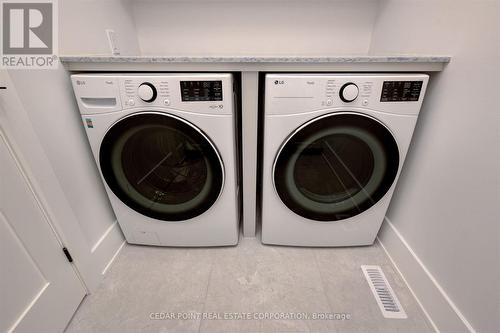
334,145
165,145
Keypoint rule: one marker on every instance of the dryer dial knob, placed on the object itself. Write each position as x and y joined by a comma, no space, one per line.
147,92
349,92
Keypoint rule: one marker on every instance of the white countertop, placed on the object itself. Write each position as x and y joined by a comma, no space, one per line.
254,59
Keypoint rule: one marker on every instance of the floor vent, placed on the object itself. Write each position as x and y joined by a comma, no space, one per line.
383,293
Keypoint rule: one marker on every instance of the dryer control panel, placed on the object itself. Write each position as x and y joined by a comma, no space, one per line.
299,93
198,93
401,91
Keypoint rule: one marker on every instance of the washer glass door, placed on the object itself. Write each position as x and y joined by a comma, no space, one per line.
336,166
161,166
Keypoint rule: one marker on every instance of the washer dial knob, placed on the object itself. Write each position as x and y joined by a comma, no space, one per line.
349,92
147,92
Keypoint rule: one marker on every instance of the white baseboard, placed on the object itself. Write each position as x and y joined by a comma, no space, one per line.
105,251
112,229
436,304
113,258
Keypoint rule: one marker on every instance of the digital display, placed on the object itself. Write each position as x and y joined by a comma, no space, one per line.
201,91
401,91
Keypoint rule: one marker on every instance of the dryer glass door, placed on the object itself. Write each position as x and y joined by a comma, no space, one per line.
336,166
161,166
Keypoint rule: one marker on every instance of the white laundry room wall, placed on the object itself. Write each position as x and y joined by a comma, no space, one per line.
83,23
245,27
46,96
48,99
443,224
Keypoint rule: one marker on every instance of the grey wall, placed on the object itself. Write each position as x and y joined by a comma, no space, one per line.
56,120
48,99
239,27
82,25
446,205
81,31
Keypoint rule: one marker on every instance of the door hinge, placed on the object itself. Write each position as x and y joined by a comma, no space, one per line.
68,255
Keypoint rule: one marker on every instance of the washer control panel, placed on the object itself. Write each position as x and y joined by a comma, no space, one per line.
298,93
150,91
210,93
201,91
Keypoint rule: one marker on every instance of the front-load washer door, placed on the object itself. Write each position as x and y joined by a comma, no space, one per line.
161,166
336,166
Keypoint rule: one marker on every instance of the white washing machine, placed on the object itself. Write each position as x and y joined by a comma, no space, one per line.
334,145
165,145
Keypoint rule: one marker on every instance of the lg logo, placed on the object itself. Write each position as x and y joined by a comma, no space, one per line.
27,28
279,82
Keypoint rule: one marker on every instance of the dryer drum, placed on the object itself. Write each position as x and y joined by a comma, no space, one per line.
336,166
161,166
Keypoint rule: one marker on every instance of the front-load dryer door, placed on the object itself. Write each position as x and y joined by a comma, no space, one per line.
161,166
336,166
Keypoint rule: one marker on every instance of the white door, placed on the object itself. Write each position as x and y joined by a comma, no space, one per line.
39,288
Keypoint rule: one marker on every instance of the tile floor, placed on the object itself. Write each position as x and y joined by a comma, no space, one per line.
249,278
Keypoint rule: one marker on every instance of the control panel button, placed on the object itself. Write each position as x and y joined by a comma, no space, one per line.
329,102
131,102
166,102
349,92
147,92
